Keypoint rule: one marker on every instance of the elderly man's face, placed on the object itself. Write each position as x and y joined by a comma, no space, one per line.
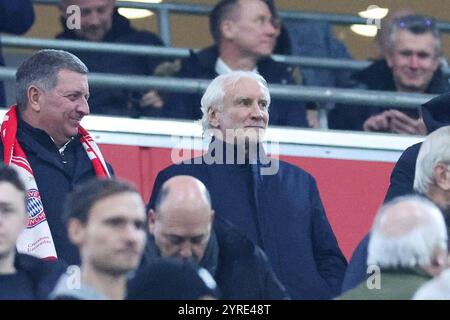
62,108
96,18
113,238
253,30
413,60
13,217
181,232
245,111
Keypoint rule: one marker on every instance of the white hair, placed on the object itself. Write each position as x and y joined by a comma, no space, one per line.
435,149
435,289
413,247
215,93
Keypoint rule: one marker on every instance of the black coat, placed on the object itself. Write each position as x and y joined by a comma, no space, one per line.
117,101
283,215
201,65
55,180
41,276
241,269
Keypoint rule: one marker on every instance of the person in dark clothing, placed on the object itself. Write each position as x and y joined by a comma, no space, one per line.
22,277
181,227
171,279
436,114
245,34
43,138
411,65
275,204
16,17
100,22
429,180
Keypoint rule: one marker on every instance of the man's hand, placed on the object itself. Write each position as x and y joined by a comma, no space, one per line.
151,100
379,122
401,123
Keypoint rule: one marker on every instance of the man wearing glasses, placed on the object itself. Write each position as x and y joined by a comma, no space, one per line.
411,64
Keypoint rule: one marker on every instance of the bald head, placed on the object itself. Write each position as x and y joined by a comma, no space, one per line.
182,220
407,232
183,192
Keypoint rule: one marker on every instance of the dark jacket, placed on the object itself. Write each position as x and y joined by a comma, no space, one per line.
241,269
39,278
378,76
436,114
281,213
55,180
15,17
201,65
117,101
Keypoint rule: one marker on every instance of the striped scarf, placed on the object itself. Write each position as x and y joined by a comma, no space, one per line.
36,239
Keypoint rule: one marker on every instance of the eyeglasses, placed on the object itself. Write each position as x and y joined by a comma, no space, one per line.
415,23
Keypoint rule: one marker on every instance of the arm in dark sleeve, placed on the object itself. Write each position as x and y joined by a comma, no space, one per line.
273,289
16,16
402,176
357,267
330,261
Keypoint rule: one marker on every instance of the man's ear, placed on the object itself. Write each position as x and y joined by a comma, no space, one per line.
213,118
76,231
441,175
227,29
33,96
151,221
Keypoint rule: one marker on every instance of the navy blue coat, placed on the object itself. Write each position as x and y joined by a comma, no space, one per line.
118,101
54,180
283,215
201,65
15,17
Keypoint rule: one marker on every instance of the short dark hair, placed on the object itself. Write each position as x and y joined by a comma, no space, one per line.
10,175
223,10
84,196
41,69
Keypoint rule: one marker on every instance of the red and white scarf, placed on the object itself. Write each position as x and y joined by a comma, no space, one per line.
36,239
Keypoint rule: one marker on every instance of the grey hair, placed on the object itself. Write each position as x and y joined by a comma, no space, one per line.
215,93
41,70
435,289
414,248
435,149
394,28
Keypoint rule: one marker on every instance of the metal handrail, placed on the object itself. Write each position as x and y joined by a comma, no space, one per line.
301,93
166,52
164,9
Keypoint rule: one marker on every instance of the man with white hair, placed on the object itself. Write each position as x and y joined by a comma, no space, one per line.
431,179
275,204
409,246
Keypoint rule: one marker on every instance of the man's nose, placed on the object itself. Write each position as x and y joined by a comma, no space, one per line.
414,61
83,107
186,250
94,19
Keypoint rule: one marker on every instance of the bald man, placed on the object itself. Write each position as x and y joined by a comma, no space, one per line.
181,226
408,246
